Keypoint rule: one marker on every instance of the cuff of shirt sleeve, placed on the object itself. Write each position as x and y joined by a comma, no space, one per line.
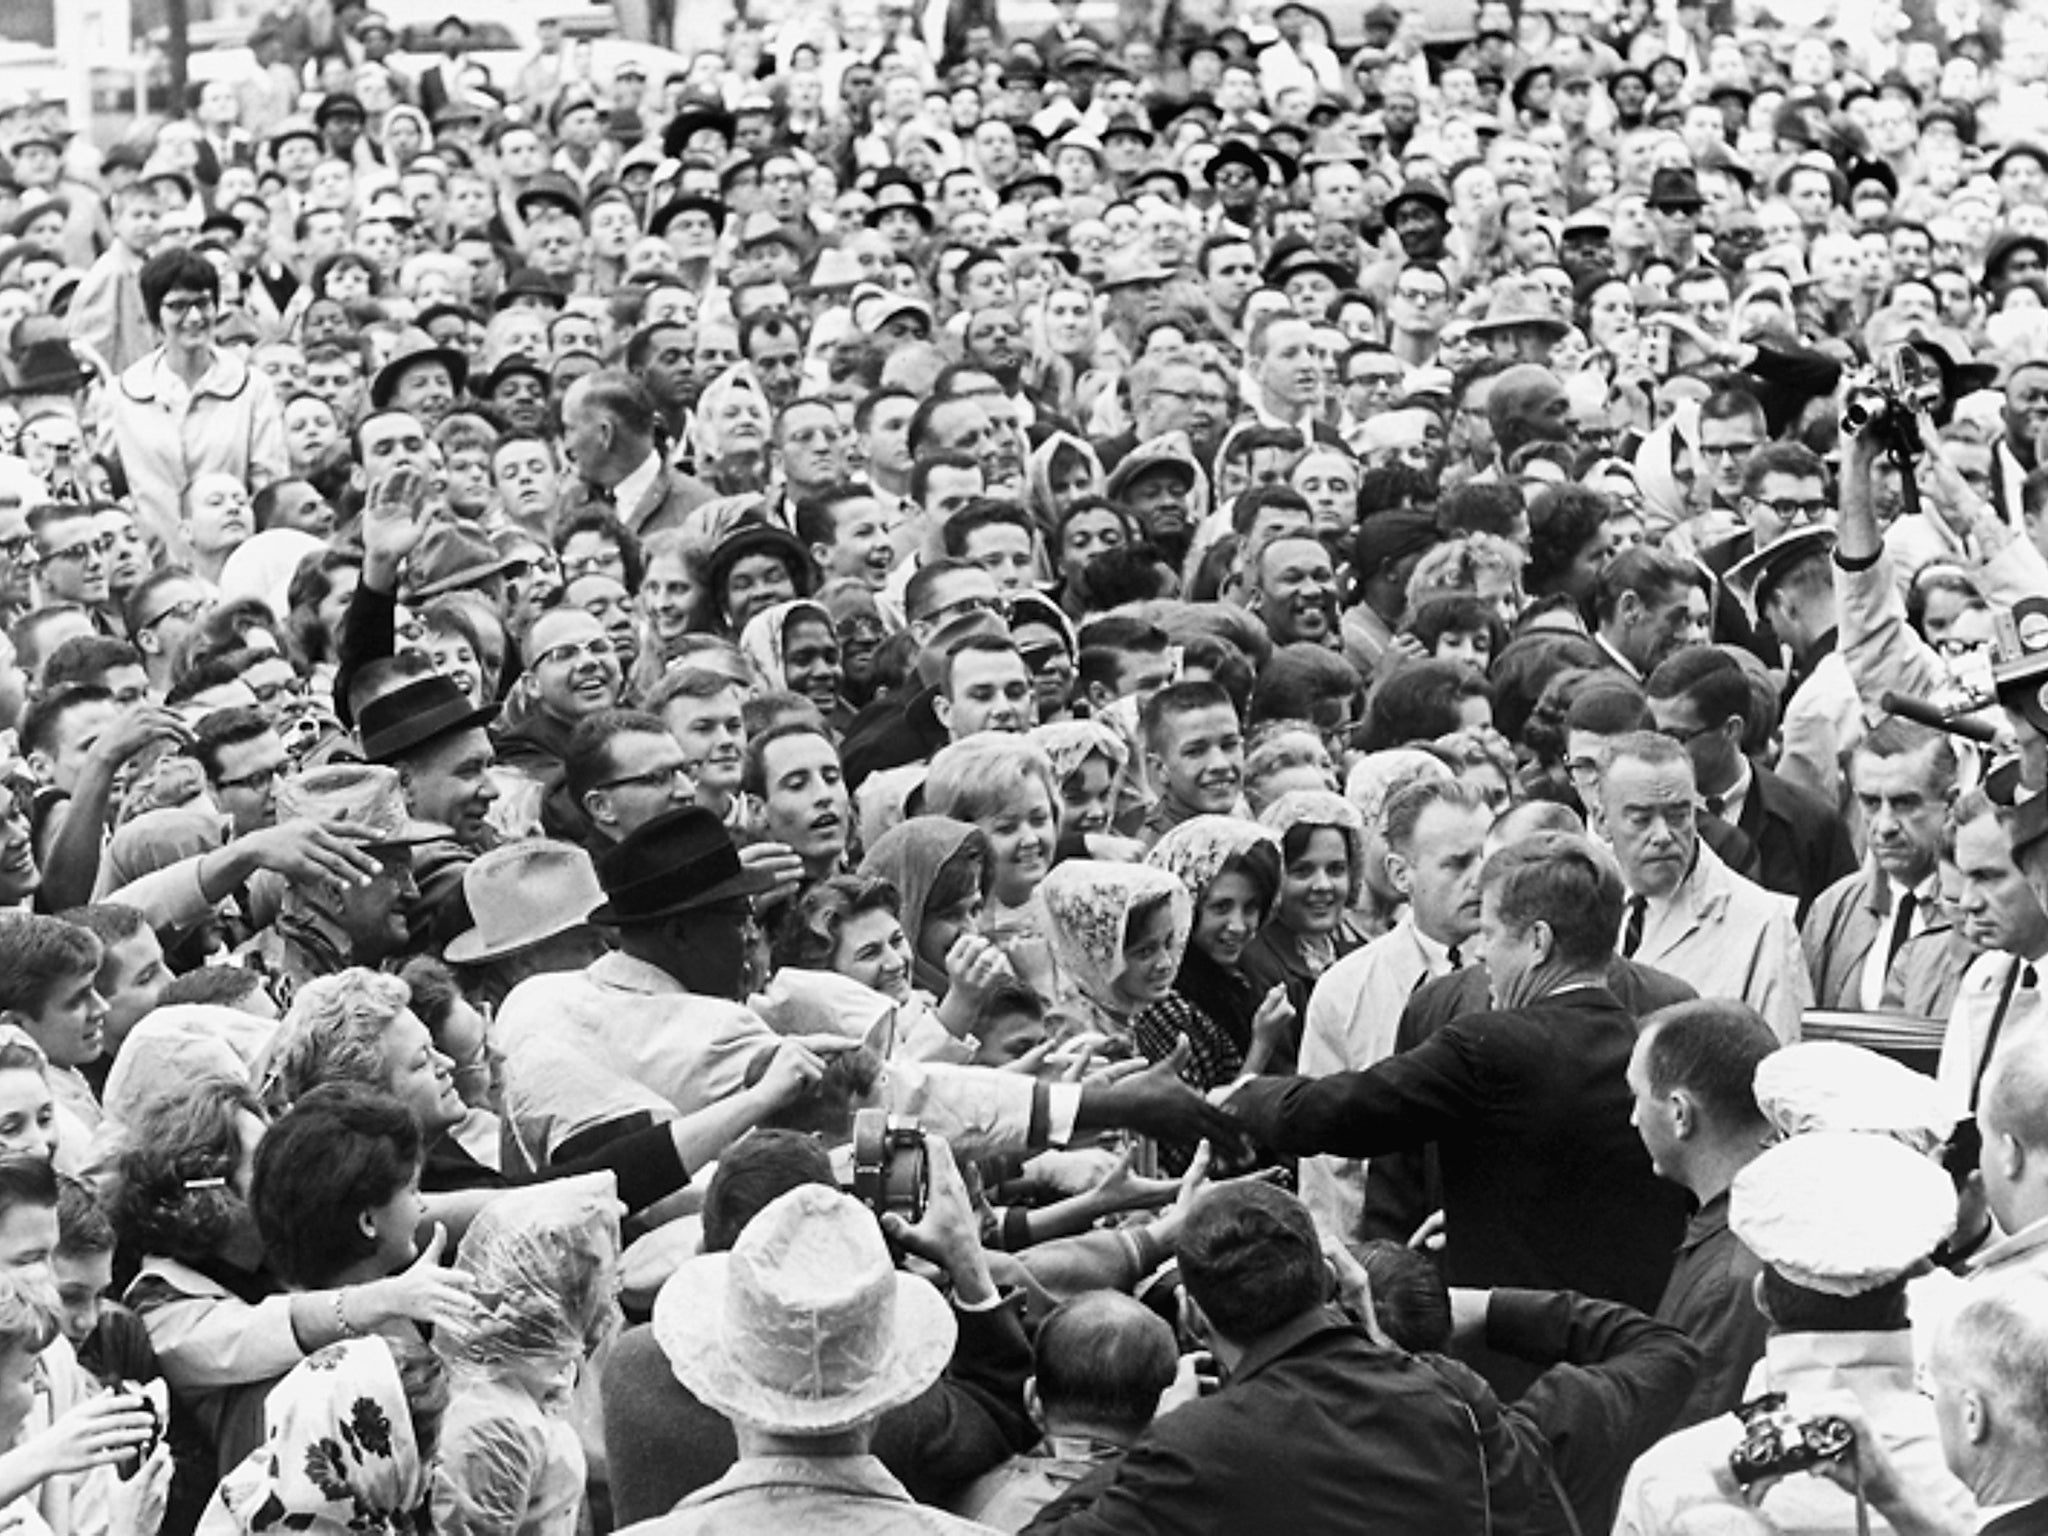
1062,1109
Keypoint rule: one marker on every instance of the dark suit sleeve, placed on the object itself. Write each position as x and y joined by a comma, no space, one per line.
1402,1188
973,1419
1615,1384
369,632
1404,1101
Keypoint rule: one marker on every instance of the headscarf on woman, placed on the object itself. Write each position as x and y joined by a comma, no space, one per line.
1195,853
1038,480
1088,903
721,427
1070,743
1320,808
912,856
339,1457
761,640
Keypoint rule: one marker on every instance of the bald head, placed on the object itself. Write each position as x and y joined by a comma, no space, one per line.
1528,404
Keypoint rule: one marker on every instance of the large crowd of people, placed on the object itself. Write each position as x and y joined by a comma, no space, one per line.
1205,772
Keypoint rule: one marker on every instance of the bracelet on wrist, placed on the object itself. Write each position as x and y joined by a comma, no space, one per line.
347,1329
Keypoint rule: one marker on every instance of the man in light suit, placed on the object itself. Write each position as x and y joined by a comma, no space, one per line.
1688,913
1904,780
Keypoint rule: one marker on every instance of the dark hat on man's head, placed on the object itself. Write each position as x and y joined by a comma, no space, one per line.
452,556
683,861
686,202
1428,193
550,189
695,115
530,283
339,104
423,710
1295,255
414,349
2003,248
1237,152
1675,186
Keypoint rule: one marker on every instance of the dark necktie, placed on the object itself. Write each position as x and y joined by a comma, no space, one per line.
1902,925
2027,976
1457,960
600,494
1632,934
1715,805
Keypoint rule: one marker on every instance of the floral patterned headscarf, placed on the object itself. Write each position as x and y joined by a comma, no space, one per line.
1199,847
338,1456
1089,904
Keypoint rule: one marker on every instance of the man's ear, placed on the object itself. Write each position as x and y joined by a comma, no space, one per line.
39,763
820,555
1399,873
1543,940
1032,1404
942,708
1685,1118
366,1225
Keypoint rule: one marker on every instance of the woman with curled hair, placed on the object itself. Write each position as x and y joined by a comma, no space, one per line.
1004,785
852,927
223,1327
357,1026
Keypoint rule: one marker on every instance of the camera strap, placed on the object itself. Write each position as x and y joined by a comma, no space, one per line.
1862,1500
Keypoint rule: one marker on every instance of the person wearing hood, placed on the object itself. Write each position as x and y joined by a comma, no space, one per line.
1060,471
1233,1023
1118,932
795,648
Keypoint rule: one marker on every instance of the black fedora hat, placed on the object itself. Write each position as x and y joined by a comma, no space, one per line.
416,349
675,138
687,202
424,710
683,861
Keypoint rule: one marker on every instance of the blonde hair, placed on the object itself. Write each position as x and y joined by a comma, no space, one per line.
986,775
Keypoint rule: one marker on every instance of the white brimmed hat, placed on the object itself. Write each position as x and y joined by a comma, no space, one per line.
1840,1212
805,1328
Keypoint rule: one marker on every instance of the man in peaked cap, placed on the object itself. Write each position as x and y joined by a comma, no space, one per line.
1838,1220
326,926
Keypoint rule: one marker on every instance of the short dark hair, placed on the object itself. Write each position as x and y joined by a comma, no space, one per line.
922,467
754,766
989,512
1104,1358
755,1171
82,1224
1650,574
39,953
1175,700
1300,677
602,521
1481,506
1410,1301
1420,702
178,267
620,395
1708,678
1710,1047
221,729
1563,520
41,721
817,516
88,659
1250,1258
929,575
1559,879
340,1150
587,761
